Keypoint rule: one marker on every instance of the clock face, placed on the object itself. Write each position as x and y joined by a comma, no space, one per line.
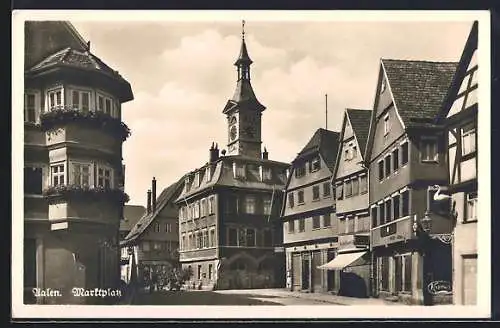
232,133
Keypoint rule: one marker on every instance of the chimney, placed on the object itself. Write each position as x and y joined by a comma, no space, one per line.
153,196
148,206
265,154
214,153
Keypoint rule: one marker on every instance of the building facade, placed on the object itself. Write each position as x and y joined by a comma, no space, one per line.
151,247
73,178
308,215
406,158
229,207
131,214
459,114
350,182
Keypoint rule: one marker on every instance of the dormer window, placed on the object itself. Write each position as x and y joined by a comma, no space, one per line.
187,184
300,170
208,174
315,164
265,173
197,179
239,170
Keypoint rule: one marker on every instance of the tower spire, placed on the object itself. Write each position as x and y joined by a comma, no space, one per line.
243,30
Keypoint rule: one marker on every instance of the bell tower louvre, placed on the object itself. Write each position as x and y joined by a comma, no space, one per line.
243,110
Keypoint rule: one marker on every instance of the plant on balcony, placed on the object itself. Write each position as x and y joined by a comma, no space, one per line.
63,115
85,192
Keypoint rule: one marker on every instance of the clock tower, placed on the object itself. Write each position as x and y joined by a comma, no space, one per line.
244,111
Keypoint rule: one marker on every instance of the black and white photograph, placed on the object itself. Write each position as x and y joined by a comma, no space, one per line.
288,164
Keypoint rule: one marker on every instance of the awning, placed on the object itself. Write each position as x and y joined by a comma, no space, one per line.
341,261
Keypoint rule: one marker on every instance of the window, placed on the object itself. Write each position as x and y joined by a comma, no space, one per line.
374,216
290,199
211,207
54,98
363,184
268,238
199,271
190,241
157,227
315,164
239,170
265,173
80,100
382,213
395,204
315,192
250,238
388,211
232,237
250,204
168,227
395,159
326,189
429,150
156,246
33,180
199,239
327,220
208,174
316,222
398,270
355,186
203,207
197,209
291,226
105,104
266,203
145,246
468,140
387,165
205,239
386,125
407,273
81,174
384,273
348,188
471,208
404,153
300,171
212,238
354,152
300,195
183,242
31,107
339,191
349,224
57,175
405,202
381,170
104,177
302,225
210,270
197,179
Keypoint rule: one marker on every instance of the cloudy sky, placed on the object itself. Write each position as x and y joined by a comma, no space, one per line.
182,74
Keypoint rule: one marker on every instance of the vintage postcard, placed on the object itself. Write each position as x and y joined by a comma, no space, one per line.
237,164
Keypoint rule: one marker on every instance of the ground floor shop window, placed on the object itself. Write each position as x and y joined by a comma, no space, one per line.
384,273
402,272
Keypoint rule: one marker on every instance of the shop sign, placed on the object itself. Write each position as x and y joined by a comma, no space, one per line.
438,287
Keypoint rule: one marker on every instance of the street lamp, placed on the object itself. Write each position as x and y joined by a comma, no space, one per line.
426,223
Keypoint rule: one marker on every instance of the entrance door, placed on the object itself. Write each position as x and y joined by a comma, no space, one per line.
305,273
330,276
469,279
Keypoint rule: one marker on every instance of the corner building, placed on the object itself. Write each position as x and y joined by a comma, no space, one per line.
73,174
229,208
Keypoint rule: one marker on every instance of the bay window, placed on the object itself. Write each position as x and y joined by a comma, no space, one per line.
104,177
54,98
80,100
105,104
428,152
81,174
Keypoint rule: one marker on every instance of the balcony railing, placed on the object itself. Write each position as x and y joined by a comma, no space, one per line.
392,232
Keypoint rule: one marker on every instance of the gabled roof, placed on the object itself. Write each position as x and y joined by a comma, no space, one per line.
418,88
470,46
324,142
167,196
131,215
360,122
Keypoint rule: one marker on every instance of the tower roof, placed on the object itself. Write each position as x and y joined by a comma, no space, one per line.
243,58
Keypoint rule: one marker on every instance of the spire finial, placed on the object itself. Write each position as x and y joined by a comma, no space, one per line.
243,30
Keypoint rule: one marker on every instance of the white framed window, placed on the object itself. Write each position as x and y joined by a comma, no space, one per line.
266,201
54,98
211,205
468,139
239,170
197,179
250,204
197,209
387,124
105,104
104,176
57,174
32,106
203,207
81,174
212,242
80,99
471,207
265,173
208,174
429,151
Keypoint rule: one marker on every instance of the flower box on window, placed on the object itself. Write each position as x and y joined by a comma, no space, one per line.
85,193
62,115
